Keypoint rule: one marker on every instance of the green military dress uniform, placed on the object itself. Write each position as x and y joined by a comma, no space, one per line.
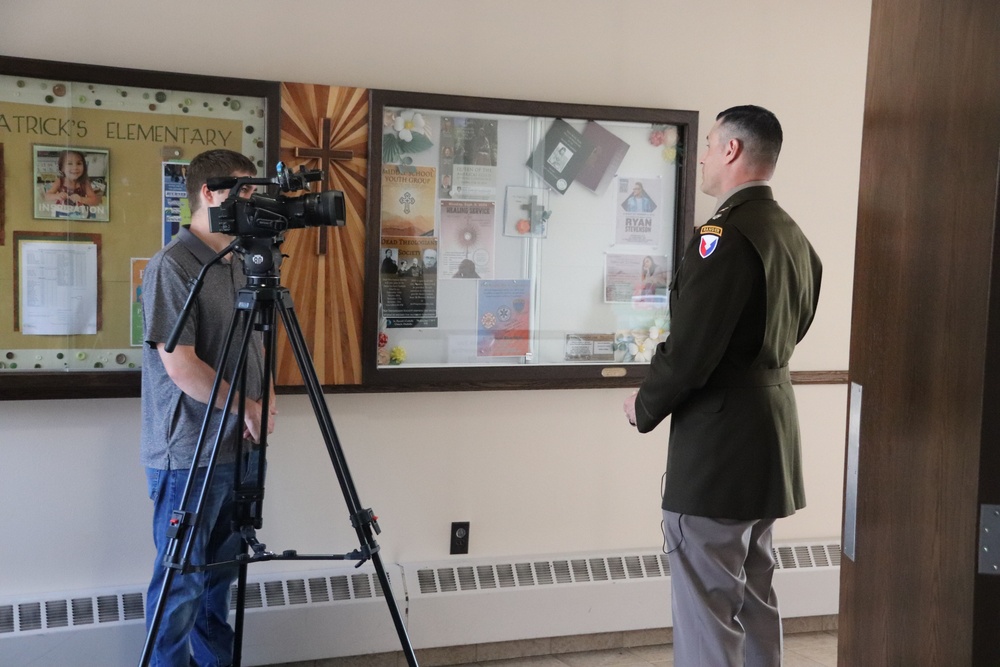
743,296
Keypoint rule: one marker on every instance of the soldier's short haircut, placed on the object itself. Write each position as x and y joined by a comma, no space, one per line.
758,129
217,163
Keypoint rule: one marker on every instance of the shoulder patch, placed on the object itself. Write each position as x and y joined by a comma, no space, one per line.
710,237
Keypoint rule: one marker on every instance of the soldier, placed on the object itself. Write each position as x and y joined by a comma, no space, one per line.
742,298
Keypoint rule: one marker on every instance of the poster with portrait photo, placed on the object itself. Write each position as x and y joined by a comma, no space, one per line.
71,183
560,155
639,212
629,277
408,281
468,158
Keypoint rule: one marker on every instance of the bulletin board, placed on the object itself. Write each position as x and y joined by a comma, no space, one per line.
521,244
92,167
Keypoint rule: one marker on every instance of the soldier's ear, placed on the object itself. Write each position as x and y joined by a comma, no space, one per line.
734,148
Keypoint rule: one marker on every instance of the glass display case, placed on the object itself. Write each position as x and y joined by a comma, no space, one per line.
520,243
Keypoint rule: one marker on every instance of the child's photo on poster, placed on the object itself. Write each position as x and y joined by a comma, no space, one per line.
71,182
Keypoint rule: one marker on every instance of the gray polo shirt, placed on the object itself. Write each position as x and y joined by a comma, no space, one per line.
172,420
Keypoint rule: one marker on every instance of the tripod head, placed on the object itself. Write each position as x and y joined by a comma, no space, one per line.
261,257
261,265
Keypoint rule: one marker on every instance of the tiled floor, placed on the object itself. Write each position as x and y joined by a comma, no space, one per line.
809,642
809,649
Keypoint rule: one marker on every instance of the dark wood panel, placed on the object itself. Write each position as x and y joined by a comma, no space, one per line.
819,377
986,609
919,331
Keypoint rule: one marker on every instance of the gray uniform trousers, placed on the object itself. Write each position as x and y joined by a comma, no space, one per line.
725,612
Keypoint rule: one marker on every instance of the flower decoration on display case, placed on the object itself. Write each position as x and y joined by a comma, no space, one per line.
397,355
403,132
665,136
383,349
639,344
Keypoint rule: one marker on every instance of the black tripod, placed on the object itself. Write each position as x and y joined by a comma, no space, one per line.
255,309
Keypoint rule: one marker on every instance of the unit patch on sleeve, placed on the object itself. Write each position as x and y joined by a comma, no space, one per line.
710,235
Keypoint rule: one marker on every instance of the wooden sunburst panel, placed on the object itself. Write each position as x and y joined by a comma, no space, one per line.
325,276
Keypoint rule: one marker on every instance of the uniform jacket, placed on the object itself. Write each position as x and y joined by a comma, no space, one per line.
744,295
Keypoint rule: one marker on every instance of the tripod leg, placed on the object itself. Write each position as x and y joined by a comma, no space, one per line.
250,498
362,519
241,602
185,524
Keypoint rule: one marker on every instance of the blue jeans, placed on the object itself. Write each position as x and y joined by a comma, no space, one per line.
194,628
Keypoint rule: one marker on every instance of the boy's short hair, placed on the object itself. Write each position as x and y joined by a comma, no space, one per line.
217,163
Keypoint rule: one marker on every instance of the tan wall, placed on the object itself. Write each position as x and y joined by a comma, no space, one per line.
545,471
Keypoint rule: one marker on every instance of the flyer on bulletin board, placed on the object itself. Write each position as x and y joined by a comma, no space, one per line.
467,239
627,277
58,288
138,267
176,208
602,165
504,318
408,281
468,156
71,183
408,201
639,219
560,155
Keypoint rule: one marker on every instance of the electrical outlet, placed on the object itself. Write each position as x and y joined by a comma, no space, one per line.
460,537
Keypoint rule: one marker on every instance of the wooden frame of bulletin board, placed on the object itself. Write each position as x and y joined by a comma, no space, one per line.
68,329
553,239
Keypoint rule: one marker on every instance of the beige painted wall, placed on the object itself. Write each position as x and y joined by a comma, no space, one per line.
535,472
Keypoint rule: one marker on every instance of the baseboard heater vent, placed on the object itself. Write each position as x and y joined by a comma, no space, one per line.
71,612
451,579
541,573
474,601
282,592
292,617
807,555
342,611
129,605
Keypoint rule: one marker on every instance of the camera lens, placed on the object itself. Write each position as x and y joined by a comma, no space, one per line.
325,208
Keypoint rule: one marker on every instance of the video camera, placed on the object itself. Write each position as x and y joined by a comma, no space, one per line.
259,216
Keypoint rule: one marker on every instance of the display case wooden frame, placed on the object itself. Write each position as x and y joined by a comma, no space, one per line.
398,117
114,82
